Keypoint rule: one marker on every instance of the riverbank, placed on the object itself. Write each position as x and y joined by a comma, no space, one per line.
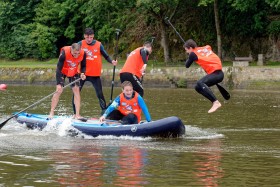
255,78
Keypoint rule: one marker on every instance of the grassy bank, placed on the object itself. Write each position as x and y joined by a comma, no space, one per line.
33,63
158,74
28,63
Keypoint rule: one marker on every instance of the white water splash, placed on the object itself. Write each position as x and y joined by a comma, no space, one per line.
61,127
64,128
198,133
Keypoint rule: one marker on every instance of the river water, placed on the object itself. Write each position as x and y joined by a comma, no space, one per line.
239,145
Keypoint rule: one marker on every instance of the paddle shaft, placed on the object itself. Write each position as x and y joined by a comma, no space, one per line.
223,91
114,69
4,122
112,84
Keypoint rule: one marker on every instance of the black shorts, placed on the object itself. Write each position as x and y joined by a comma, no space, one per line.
61,80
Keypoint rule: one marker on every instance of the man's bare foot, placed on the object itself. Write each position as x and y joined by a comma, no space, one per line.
78,117
75,116
51,115
215,106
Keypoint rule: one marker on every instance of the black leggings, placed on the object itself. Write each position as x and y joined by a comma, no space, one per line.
202,86
135,81
96,83
128,119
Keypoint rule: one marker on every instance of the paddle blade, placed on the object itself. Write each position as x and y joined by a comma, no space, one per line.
224,92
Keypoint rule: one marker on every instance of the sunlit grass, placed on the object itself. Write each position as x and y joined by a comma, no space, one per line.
32,63
28,63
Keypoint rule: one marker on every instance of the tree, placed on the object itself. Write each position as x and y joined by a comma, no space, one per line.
217,23
105,16
15,18
58,23
160,9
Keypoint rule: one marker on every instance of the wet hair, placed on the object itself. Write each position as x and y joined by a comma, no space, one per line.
88,31
147,44
76,47
190,43
126,83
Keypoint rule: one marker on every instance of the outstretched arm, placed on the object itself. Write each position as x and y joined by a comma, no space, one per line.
144,108
113,106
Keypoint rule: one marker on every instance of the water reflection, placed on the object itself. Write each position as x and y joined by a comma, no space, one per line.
84,165
208,168
236,146
131,162
94,166
130,166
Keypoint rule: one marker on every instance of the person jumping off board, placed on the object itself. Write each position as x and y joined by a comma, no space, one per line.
211,63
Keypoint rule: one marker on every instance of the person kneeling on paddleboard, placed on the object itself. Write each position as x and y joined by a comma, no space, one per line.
127,107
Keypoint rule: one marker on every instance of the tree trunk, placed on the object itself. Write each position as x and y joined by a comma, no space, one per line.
164,42
218,29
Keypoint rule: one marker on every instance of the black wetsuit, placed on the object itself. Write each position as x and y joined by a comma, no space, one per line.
95,80
202,85
136,81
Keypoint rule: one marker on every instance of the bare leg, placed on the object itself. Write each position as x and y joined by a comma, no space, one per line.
77,101
55,99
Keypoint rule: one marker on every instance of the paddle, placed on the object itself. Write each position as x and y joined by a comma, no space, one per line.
222,90
114,70
4,122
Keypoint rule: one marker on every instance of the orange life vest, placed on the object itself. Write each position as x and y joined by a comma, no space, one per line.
94,58
71,64
134,63
207,59
130,106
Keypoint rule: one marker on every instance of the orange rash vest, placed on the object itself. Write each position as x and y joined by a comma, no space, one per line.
71,64
94,58
207,59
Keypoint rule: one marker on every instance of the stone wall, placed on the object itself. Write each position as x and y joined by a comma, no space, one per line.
235,77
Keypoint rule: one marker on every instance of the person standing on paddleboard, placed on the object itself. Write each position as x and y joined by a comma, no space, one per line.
211,63
94,50
127,107
135,66
70,58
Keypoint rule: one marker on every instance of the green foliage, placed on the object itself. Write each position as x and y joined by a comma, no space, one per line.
254,18
159,7
182,83
274,28
273,3
105,16
205,2
15,18
45,39
39,28
243,5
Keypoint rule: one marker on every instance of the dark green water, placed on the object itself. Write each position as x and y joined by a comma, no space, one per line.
238,145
